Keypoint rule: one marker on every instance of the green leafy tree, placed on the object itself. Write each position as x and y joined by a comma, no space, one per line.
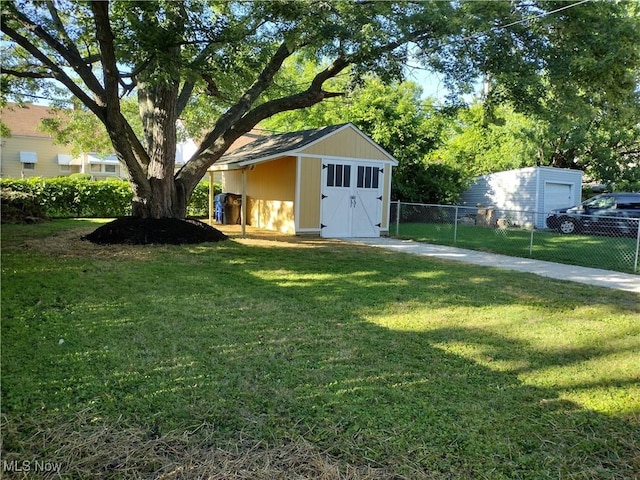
594,126
82,130
588,105
481,142
396,117
179,59
221,54
573,69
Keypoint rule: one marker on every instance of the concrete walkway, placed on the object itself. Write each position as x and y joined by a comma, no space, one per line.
590,276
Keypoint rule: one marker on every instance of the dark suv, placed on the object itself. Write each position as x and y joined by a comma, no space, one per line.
609,213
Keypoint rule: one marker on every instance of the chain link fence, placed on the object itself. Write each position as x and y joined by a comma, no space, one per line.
607,242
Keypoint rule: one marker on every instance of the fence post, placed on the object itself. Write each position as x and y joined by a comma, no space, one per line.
531,243
455,228
398,220
533,228
635,264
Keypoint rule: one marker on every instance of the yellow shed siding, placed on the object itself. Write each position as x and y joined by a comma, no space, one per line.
270,191
46,165
271,188
273,180
310,179
346,143
232,181
273,215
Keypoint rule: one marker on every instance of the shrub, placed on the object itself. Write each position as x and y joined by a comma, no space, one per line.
78,196
108,198
199,203
19,207
428,183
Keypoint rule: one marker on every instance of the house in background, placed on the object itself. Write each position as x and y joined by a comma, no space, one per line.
332,181
28,152
525,195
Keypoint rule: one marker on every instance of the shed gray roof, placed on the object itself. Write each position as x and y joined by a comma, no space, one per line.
273,146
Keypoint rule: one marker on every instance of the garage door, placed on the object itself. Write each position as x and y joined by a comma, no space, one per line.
351,199
558,195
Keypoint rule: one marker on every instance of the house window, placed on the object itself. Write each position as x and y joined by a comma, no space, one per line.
368,177
28,160
110,169
96,168
338,175
65,168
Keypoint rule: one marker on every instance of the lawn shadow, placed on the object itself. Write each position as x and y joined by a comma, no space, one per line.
272,343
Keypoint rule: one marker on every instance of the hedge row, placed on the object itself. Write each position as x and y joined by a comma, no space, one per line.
79,196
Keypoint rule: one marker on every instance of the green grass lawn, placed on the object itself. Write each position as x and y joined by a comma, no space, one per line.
138,362
597,251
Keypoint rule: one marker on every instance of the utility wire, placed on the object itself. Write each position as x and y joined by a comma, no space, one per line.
500,27
525,20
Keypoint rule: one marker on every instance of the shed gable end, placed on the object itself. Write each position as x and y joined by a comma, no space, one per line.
347,143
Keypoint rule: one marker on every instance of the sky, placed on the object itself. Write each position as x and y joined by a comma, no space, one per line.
432,84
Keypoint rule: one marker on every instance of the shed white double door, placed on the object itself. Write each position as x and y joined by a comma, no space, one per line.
351,199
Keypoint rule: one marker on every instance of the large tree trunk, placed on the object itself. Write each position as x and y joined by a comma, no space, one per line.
158,195
162,199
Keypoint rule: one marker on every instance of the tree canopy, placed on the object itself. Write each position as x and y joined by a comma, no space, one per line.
222,54
226,58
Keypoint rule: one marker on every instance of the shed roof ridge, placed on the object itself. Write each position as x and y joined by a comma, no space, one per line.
280,144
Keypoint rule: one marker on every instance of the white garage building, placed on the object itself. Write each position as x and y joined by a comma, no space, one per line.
526,193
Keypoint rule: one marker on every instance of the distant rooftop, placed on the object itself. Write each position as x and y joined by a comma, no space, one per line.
23,120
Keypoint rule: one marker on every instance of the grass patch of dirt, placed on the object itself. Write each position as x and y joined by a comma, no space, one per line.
92,448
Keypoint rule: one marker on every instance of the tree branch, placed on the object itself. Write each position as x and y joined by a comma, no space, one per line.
243,105
233,129
189,85
314,94
26,74
122,135
56,72
71,55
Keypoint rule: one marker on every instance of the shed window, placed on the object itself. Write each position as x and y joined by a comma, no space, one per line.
368,177
338,175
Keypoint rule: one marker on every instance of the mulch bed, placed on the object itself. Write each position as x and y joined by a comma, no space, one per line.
147,231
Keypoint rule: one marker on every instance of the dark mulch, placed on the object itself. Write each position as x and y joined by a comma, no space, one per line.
145,231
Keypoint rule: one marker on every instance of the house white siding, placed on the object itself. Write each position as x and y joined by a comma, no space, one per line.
524,196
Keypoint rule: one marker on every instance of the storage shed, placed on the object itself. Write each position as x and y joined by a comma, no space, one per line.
526,195
332,181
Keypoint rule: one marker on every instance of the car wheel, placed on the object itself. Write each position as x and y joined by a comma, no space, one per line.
567,225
